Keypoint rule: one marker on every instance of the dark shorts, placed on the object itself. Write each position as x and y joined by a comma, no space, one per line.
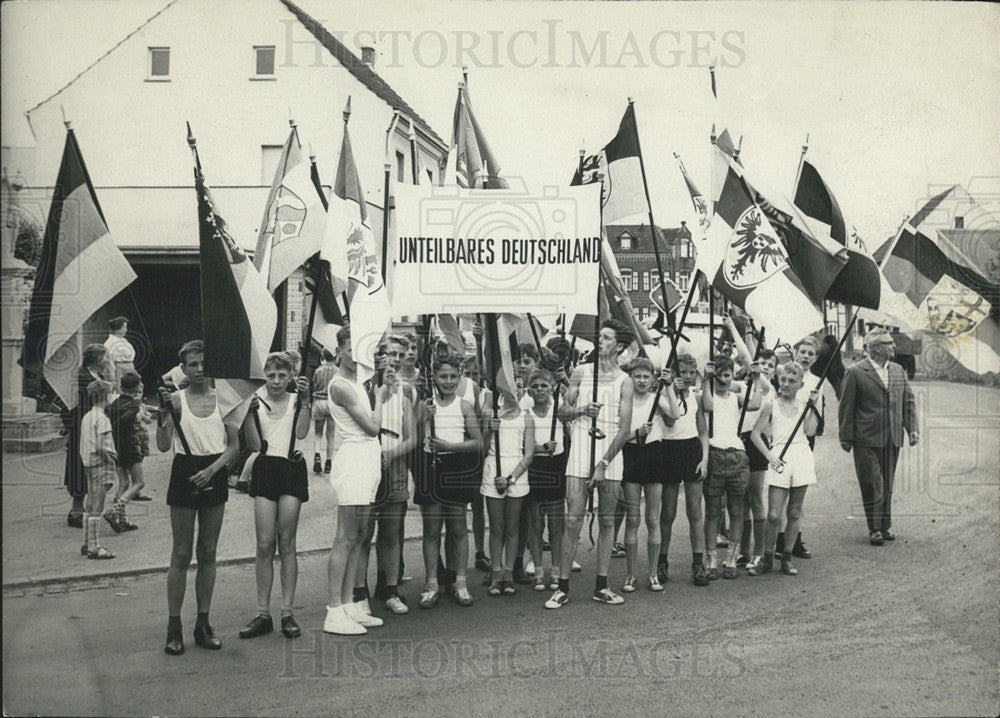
728,472
453,480
389,509
680,460
275,476
181,492
128,458
757,460
547,477
642,463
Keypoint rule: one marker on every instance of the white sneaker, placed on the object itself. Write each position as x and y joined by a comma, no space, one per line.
356,612
337,621
558,600
577,567
529,568
365,607
396,605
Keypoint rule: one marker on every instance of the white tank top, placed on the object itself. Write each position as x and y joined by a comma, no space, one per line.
686,425
783,423
641,406
449,422
469,394
277,431
205,436
392,419
609,394
511,440
347,427
543,430
726,413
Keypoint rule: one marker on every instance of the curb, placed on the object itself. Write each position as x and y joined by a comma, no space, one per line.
148,571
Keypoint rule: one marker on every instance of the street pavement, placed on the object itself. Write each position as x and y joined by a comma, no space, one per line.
907,629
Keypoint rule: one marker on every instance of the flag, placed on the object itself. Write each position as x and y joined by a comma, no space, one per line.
746,262
294,218
499,350
624,191
350,249
944,275
330,315
447,325
474,161
79,271
858,282
697,198
238,314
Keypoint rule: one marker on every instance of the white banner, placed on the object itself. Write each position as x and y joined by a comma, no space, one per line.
459,250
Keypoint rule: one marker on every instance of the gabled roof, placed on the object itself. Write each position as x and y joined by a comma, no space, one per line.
362,72
642,236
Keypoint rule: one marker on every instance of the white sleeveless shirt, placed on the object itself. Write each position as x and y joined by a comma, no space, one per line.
641,405
206,436
726,413
350,431
277,431
686,425
449,422
782,424
543,430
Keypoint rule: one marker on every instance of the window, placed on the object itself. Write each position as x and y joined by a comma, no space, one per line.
682,282
270,155
159,64
626,241
400,166
263,58
959,222
686,248
652,280
628,280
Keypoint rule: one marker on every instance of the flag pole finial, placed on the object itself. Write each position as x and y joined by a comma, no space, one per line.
312,155
736,152
347,110
190,135
68,123
806,145
630,100
291,118
713,136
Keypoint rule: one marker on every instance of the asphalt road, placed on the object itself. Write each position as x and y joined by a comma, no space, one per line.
907,629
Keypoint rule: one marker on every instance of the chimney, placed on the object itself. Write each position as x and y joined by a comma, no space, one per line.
368,56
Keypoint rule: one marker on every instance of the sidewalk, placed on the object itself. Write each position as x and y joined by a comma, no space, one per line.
39,548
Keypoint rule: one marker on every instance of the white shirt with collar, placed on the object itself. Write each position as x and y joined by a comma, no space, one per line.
882,371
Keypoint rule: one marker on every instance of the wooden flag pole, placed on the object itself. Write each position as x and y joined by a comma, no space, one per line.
494,333
594,431
746,395
819,386
711,354
556,389
674,341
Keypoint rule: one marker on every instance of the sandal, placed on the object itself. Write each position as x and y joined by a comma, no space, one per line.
84,550
100,553
540,582
496,589
508,588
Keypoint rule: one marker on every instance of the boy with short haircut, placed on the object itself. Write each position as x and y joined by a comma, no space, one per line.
728,464
322,421
126,414
97,451
754,516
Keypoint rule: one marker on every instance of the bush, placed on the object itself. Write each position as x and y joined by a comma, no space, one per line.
28,245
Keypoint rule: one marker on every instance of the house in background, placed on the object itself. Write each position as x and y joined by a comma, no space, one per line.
633,248
236,79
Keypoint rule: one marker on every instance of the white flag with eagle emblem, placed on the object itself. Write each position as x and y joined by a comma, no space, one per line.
747,264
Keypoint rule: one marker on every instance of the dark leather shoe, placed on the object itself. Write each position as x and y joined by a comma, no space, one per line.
290,628
75,522
204,636
875,538
888,535
258,626
175,643
799,549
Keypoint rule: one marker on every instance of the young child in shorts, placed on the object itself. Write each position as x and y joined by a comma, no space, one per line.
97,451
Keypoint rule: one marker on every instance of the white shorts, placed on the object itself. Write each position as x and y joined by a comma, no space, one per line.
507,463
355,472
578,463
800,468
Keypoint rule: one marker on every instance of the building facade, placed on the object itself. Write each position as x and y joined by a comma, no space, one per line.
633,248
238,86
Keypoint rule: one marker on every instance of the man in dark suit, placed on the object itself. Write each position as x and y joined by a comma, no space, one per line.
876,406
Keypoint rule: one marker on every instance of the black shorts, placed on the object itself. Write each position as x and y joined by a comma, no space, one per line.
642,463
680,458
128,458
181,492
454,480
757,460
547,477
275,476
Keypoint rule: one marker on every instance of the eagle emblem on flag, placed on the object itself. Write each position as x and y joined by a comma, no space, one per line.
754,253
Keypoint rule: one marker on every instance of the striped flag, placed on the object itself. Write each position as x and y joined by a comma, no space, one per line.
294,218
238,314
942,272
350,249
747,263
474,161
330,315
79,271
499,350
858,281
